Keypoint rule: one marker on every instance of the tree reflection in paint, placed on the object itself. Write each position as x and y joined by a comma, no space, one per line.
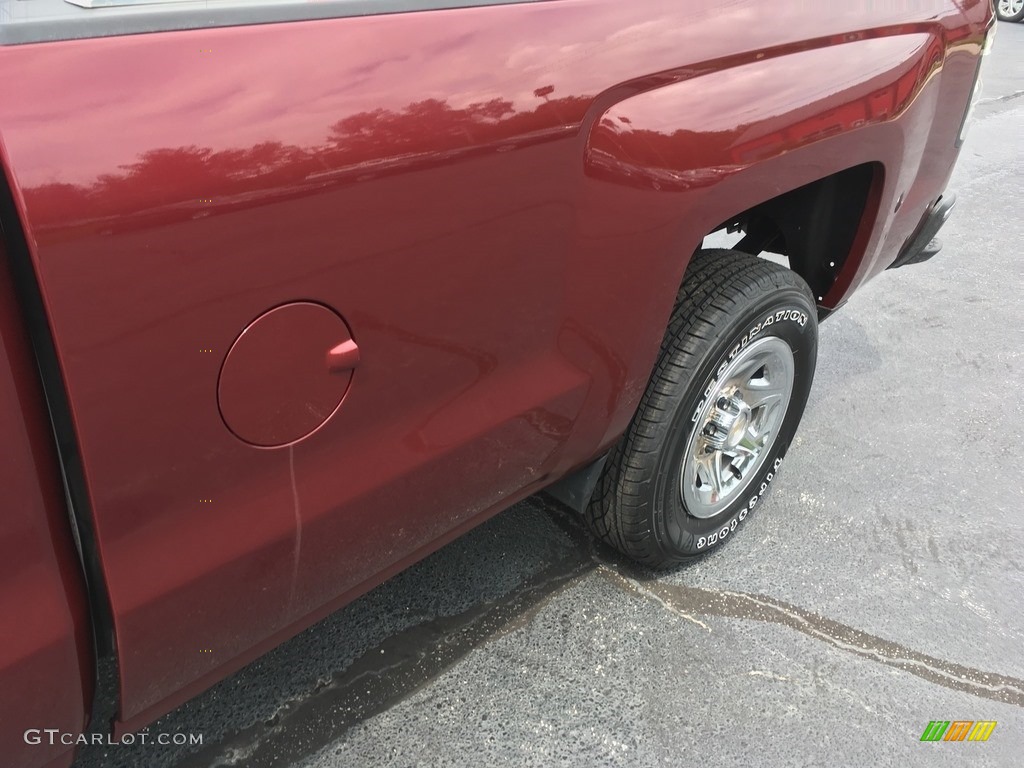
194,178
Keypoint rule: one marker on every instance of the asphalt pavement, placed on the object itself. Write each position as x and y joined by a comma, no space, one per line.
881,585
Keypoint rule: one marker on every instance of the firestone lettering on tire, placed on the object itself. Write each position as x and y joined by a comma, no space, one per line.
797,316
719,535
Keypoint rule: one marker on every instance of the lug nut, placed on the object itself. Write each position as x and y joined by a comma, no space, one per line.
722,403
709,429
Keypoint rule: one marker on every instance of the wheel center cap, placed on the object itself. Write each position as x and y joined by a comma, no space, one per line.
727,423
738,428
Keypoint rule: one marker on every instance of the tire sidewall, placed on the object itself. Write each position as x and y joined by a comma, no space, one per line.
787,314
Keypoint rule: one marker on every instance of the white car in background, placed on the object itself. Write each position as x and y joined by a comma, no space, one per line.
1010,10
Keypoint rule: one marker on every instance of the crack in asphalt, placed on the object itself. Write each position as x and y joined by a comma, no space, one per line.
998,99
686,601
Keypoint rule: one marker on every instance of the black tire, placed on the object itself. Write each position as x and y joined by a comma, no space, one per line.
1005,16
728,299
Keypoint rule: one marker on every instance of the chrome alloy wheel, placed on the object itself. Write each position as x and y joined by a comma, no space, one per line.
1010,7
737,426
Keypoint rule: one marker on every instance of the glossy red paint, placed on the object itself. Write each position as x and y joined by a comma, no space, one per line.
500,201
45,651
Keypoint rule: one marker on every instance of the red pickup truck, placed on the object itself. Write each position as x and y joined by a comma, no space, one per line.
293,293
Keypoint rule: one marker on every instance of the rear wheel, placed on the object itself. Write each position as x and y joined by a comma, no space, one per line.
1010,10
718,415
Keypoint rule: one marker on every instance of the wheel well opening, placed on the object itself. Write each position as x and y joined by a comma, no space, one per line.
814,227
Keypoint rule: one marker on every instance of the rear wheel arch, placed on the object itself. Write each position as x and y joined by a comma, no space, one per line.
822,227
